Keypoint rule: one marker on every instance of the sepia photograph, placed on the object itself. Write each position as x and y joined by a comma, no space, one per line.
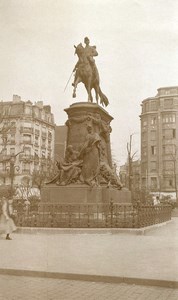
88,150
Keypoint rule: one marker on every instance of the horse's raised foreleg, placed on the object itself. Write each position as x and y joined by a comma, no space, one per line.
75,86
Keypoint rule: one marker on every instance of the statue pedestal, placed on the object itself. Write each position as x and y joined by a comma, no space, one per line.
83,114
92,148
83,194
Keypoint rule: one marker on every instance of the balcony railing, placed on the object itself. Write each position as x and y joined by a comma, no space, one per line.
26,130
91,215
4,157
26,157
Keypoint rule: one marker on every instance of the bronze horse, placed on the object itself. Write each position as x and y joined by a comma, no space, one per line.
88,76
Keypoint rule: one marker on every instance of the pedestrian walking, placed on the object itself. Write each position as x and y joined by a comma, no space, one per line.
7,225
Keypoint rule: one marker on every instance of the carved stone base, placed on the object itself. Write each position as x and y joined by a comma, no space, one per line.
83,194
82,114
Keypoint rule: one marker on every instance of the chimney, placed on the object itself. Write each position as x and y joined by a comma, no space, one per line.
39,104
16,98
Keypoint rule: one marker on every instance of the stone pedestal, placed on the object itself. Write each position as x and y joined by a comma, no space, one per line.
83,194
72,189
82,114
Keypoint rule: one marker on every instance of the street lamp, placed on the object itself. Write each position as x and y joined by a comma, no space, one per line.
12,167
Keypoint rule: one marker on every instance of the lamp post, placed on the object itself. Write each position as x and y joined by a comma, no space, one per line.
12,167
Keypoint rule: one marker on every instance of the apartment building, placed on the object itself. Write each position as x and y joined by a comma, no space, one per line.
27,136
159,141
60,142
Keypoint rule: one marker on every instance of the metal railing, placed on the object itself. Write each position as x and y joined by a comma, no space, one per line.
92,215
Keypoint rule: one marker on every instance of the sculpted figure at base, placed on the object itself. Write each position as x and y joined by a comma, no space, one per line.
87,73
69,171
110,176
87,165
90,154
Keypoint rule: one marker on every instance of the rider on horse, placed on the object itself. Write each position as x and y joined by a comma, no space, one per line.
90,51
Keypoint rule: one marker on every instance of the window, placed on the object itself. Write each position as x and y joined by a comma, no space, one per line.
143,182
27,125
144,122
153,105
170,182
12,138
13,124
153,150
26,167
12,151
27,150
169,118
168,103
144,167
49,135
166,92
43,142
28,110
4,167
27,138
36,112
36,140
174,133
169,133
37,132
153,135
153,166
36,152
36,167
169,149
4,151
147,107
153,182
153,120
169,165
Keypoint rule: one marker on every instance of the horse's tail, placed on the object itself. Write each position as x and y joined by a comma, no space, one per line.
103,99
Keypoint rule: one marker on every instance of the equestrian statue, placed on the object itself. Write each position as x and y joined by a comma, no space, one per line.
87,72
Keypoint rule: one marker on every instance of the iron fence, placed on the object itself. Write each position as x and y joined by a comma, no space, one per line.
92,216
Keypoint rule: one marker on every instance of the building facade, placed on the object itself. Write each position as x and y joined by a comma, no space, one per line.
28,140
159,141
131,179
60,142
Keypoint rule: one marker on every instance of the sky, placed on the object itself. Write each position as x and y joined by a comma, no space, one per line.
137,44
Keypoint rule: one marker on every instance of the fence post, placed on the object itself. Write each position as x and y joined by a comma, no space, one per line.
138,208
111,206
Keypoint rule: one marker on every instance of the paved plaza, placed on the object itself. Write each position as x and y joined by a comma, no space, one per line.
29,288
149,260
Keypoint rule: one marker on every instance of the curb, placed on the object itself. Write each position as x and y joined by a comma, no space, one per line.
129,231
93,278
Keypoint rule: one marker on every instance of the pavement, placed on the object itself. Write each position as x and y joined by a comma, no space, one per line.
30,288
102,258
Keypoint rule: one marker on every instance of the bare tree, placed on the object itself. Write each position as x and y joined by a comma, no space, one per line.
5,127
130,161
39,177
173,156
